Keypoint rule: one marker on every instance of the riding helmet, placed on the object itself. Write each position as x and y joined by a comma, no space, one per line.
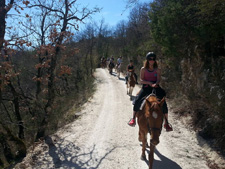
150,54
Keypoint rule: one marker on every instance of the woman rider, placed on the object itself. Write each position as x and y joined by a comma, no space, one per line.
150,77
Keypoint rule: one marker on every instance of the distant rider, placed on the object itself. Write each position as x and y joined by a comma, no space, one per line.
130,68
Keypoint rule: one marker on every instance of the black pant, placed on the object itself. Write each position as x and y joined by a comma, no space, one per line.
145,91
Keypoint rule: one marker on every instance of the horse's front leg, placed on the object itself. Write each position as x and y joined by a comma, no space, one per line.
131,91
144,141
151,155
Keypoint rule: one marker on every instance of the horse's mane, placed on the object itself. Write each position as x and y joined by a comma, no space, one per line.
152,98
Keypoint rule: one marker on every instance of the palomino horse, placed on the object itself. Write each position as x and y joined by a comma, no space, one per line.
150,120
131,83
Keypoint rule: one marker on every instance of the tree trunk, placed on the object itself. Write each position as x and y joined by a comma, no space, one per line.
51,97
22,150
3,13
17,111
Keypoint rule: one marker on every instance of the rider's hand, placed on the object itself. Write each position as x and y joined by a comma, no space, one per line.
150,84
154,85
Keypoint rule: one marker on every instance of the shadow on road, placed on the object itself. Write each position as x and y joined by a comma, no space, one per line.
121,78
163,163
69,157
114,74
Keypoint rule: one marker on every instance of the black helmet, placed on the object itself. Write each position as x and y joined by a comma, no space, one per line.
149,55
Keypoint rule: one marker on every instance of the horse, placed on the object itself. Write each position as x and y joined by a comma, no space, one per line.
103,63
150,120
111,66
131,83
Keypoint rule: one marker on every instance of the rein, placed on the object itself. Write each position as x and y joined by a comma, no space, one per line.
153,92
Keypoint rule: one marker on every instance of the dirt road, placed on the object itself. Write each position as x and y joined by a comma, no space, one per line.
101,138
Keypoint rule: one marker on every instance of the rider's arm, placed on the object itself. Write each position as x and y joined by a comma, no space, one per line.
158,76
142,81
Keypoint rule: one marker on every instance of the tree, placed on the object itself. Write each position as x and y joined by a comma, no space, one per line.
120,34
138,30
66,15
7,75
191,36
103,39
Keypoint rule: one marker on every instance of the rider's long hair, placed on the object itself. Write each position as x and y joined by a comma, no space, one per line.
146,64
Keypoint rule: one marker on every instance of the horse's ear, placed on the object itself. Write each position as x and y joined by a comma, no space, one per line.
149,105
162,102
148,102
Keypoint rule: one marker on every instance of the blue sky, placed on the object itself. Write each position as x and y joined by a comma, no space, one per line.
113,10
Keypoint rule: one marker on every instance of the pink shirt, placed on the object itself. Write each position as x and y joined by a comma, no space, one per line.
150,76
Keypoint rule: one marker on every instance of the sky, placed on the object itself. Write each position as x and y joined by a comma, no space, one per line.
113,10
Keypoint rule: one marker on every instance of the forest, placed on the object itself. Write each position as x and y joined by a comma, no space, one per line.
47,64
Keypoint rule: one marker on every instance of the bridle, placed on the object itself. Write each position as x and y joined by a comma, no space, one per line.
154,129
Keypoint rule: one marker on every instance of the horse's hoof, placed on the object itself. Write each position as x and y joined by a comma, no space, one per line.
143,158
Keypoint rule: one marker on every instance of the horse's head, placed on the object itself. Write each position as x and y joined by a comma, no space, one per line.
153,113
131,71
131,74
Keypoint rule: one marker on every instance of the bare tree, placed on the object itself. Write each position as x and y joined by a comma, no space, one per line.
138,30
66,14
121,37
4,9
7,73
103,34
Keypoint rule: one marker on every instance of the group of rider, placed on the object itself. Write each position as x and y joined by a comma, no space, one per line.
150,77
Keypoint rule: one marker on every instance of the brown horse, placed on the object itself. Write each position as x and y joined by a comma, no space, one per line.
150,120
103,63
131,83
111,66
